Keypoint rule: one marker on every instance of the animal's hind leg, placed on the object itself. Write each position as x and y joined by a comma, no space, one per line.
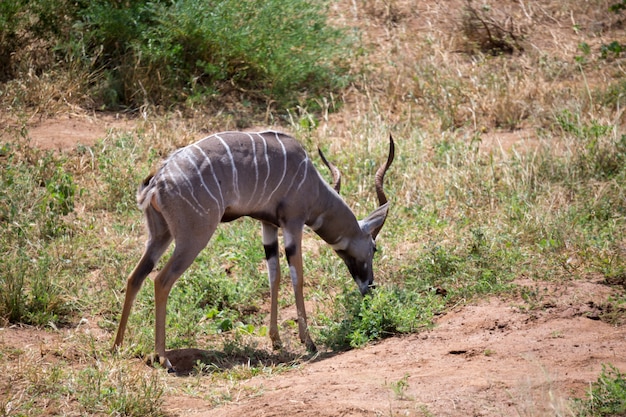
187,248
158,242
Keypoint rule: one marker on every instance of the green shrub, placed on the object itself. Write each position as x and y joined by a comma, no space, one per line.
271,52
29,25
387,311
165,52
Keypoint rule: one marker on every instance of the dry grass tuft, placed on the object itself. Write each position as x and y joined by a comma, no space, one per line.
491,31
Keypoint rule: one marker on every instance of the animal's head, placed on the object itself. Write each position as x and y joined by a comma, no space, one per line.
358,251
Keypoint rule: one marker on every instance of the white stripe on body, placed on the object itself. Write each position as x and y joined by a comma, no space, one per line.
256,170
190,185
166,167
192,161
306,172
306,168
217,182
233,165
267,163
269,198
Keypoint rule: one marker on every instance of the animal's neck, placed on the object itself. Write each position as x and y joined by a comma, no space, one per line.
333,220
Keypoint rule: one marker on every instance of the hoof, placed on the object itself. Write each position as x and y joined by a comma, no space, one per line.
151,359
154,358
277,345
310,346
168,365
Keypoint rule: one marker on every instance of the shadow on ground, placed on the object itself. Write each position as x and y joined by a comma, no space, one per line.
190,361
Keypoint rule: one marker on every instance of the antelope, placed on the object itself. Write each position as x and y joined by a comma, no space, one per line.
267,176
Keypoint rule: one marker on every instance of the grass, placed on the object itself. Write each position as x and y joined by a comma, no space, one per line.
102,388
468,215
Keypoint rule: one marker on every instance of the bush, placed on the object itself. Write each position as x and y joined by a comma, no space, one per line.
488,34
270,52
387,311
32,24
166,52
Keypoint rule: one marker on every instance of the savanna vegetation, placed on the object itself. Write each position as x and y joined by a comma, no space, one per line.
472,210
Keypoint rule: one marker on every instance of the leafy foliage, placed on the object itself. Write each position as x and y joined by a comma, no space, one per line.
387,311
168,52
618,7
28,24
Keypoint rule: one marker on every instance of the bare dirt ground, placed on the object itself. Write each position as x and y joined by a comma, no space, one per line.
65,132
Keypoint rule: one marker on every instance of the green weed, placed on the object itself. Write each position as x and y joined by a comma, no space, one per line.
399,388
607,396
118,173
36,196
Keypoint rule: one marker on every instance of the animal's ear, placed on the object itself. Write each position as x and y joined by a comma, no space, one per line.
374,222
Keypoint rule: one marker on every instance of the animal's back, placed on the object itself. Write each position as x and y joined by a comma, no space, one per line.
234,174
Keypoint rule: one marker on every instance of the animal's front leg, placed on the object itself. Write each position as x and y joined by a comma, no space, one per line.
293,249
270,244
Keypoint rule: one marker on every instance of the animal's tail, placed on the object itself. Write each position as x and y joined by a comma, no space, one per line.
145,193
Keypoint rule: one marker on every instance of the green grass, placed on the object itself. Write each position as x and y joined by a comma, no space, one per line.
34,202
